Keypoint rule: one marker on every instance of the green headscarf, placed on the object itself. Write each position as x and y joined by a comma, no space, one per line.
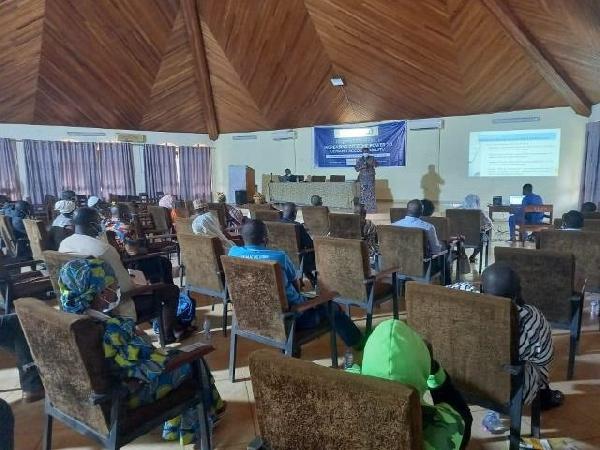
80,281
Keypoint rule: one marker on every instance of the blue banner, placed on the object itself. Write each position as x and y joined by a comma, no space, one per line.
342,146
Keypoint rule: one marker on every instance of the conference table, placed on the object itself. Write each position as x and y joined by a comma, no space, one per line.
334,194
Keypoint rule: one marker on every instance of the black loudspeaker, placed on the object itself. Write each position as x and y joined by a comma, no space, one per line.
497,201
241,197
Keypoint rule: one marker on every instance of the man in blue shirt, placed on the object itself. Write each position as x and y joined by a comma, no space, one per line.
255,237
530,199
414,211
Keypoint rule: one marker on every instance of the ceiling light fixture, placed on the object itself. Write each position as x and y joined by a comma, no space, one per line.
337,81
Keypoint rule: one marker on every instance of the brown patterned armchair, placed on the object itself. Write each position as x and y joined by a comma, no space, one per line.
469,224
268,215
316,220
396,214
345,226
286,237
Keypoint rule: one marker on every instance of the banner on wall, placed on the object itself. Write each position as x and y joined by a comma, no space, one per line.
342,146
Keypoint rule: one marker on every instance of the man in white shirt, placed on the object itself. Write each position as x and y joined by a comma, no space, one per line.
85,243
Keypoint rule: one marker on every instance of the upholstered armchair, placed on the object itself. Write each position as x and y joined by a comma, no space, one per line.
316,220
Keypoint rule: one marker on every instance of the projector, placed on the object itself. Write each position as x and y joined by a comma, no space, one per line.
497,200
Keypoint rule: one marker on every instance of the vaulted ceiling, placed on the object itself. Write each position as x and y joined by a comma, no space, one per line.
242,65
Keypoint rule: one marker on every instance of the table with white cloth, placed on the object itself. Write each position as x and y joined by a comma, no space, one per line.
335,195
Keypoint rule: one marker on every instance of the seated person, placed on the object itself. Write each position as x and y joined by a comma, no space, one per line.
290,211
530,199
368,229
90,287
316,200
156,268
200,207
536,348
84,242
428,208
255,236
22,210
94,203
588,207
207,223
62,227
13,340
396,352
5,206
572,221
169,202
414,212
472,201
288,176
233,216
69,195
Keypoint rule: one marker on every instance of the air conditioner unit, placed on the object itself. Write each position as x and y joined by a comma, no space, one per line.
132,138
426,124
244,137
282,135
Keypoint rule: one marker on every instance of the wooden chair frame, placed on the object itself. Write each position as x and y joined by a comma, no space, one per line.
521,228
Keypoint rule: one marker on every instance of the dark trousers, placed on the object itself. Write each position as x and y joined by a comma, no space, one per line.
157,269
309,266
146,305
13,340
442,264
7,427
344,327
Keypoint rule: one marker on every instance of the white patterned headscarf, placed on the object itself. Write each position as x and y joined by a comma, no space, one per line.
65,206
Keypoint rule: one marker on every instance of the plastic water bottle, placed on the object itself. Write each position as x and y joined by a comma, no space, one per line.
206,328
348,359
494,424
594,308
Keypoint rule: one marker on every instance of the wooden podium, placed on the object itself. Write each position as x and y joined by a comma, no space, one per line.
241,178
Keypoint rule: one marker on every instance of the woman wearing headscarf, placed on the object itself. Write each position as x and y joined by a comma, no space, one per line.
63,226
472,202
396,352
89,286
207,224
170,202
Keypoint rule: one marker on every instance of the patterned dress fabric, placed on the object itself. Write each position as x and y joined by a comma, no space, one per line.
366,177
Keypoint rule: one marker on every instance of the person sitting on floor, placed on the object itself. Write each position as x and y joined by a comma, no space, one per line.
207,223
290,211
368,229
536,348
233,216
90,286
156,268
255,235
529,199
414,211
396,352
428,208
13,340
572,221
472,201
84,242
588,207
316,200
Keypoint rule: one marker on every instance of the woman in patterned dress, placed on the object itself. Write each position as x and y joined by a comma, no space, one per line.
365,166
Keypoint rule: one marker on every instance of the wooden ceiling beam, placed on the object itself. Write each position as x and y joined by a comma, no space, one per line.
193,26
551,72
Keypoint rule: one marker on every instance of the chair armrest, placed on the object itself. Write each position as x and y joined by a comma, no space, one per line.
23,264
320,300
436,255
385,273
188,357
119,391
147,289
133,258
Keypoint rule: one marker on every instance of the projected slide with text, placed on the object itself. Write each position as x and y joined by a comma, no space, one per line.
519,153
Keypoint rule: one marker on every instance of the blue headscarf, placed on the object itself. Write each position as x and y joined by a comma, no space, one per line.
80,281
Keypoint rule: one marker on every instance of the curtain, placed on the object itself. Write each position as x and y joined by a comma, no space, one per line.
43,169
79,167
160,169
194,172
116,169
590,187
9,175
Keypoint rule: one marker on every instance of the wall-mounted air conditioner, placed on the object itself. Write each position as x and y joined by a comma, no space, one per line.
282,135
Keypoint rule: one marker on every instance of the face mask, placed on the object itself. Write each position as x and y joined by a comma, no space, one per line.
112,305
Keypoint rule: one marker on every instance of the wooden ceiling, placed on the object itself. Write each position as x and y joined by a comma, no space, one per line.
215,66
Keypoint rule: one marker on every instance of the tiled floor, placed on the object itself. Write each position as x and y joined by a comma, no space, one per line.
578,418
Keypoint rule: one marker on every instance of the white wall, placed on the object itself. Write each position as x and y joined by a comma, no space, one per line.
595,117
57,133
446,149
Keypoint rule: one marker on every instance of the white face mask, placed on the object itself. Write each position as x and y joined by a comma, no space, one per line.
366,155
112,305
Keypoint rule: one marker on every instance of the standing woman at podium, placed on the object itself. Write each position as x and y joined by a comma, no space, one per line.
365,166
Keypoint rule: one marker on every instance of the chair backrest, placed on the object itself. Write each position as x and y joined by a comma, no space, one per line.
8,236
302,405
201,254
467,223
402,247
131,206
585,245
318,178
591,215
473,336
342,265
268,215
591,225
54,261
253,207
547,279
547,210
316,219
441,225
159,218
286,237
558,223
337,178
183,225
38,237
346,226
219,209
189,206
67,349
396,214
257,294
